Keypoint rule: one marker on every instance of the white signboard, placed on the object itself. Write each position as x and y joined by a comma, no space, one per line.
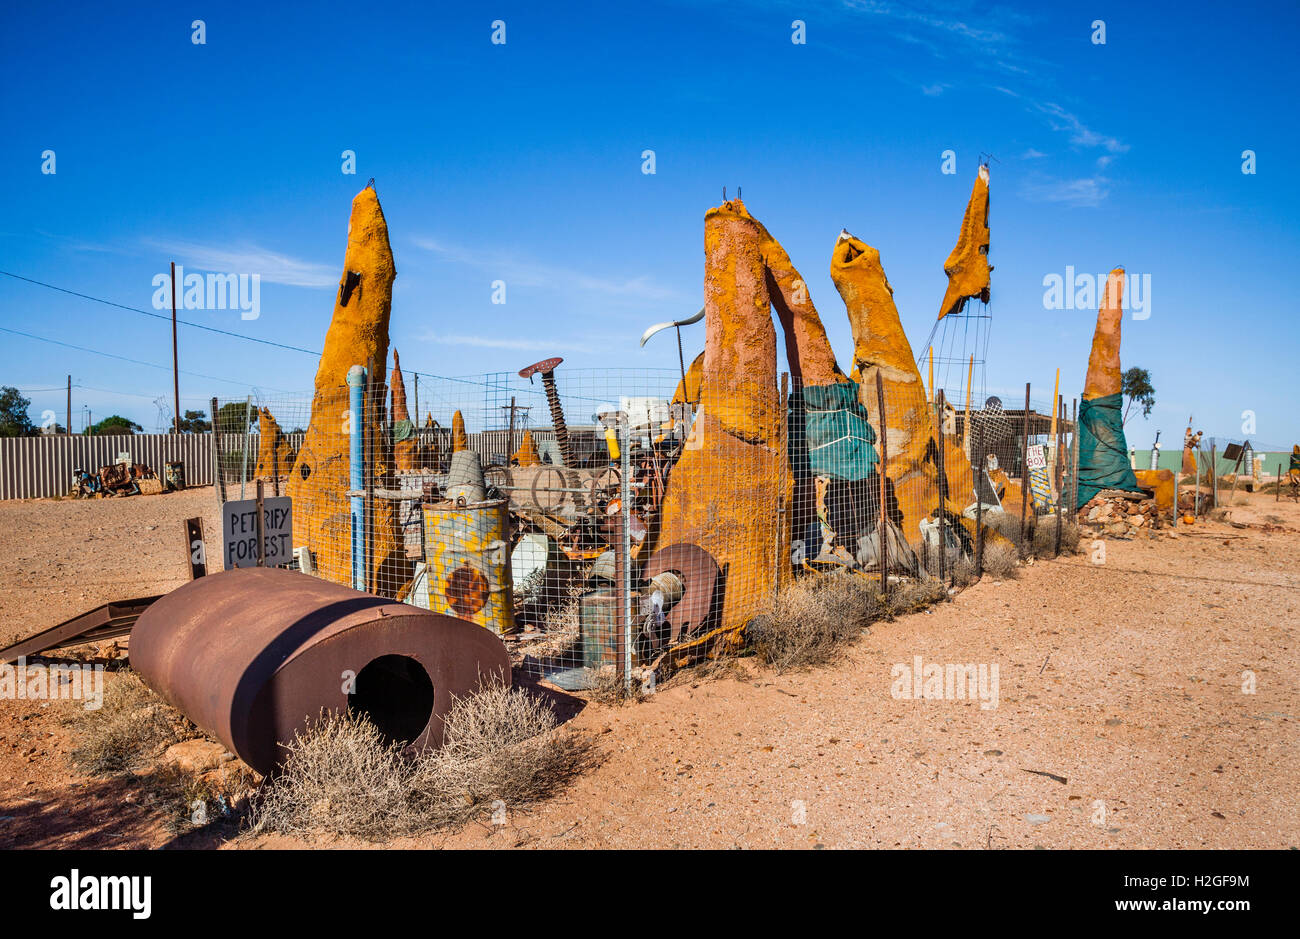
239,531
1036,459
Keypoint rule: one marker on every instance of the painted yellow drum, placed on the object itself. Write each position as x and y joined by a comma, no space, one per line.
467,548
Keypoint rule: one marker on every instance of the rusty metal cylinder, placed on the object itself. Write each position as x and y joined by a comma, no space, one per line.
254,655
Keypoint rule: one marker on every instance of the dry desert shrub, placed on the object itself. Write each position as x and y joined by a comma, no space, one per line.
1044,540
915,595
811,621
1008,525
1001,561
343,778
129,731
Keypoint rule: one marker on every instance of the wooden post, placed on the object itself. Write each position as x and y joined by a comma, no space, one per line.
979,502
195,548
970,378
176,379
1024,471
1074,456
943,488
929,391
883,437
1277,496
219,479
1056,452
510,434
261,527
1214,471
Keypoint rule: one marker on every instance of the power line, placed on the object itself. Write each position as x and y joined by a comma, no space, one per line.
123,358
211,329
159,316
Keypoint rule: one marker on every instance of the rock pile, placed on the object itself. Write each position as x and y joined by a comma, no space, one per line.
1117,515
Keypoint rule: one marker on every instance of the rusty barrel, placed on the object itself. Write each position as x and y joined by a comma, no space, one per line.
467,548
253,655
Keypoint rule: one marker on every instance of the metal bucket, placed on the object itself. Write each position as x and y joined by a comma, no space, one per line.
174,474
467,548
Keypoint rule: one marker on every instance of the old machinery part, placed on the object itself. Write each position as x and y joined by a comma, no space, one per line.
698,573
255,655
546,368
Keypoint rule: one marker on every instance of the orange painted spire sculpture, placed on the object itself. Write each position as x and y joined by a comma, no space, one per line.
405,459
357,335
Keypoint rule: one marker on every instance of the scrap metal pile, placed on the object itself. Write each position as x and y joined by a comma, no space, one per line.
652,536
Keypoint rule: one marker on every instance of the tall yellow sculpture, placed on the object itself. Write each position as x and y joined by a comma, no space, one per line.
357,335
726,491
274,454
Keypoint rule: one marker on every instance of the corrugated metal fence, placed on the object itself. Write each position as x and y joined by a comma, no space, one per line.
39,467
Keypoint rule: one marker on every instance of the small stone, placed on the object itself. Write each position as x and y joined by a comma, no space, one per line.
1033,819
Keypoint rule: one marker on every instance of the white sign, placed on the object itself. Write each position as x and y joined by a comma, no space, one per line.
1036,459
239,531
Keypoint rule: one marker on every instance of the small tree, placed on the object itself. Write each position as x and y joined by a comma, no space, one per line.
1137,388
195,422
115,425
14,421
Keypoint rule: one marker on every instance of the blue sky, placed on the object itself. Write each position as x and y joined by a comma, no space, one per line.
522,162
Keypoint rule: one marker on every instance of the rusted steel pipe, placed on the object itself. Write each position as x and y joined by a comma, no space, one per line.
253,655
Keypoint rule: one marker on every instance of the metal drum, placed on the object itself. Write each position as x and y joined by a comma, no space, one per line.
254,655
467,547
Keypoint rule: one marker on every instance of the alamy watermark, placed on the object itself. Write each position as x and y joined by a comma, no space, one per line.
1082,291
951,682
241,292
69,681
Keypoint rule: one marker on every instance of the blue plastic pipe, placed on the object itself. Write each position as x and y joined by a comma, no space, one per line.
357,472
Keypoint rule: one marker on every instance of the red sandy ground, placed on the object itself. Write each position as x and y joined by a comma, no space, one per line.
1125,679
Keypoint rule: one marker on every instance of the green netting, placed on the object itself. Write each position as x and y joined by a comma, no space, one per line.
839,440
1103,451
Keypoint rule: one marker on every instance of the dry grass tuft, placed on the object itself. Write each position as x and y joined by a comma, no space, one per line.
1001,561
812,620
915,595
343,779
132,728
1044,540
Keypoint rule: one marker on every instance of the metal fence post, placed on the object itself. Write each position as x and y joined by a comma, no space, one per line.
1060,485
356,473
218,473
1214,470
248,431
943,485
980,470
1024,472
625,546
883,437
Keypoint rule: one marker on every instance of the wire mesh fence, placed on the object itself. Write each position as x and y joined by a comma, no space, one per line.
606,522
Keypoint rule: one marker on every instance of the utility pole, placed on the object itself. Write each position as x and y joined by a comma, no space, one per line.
67,430
176,380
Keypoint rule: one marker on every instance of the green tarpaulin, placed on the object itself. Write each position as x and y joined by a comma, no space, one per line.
1103,451
839,439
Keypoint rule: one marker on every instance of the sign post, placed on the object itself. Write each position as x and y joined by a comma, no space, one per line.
241,524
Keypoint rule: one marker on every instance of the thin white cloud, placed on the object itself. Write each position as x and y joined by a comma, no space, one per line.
949,25
273,267
516,270
934,90
1032,154
1087,192
496,342
1062,120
